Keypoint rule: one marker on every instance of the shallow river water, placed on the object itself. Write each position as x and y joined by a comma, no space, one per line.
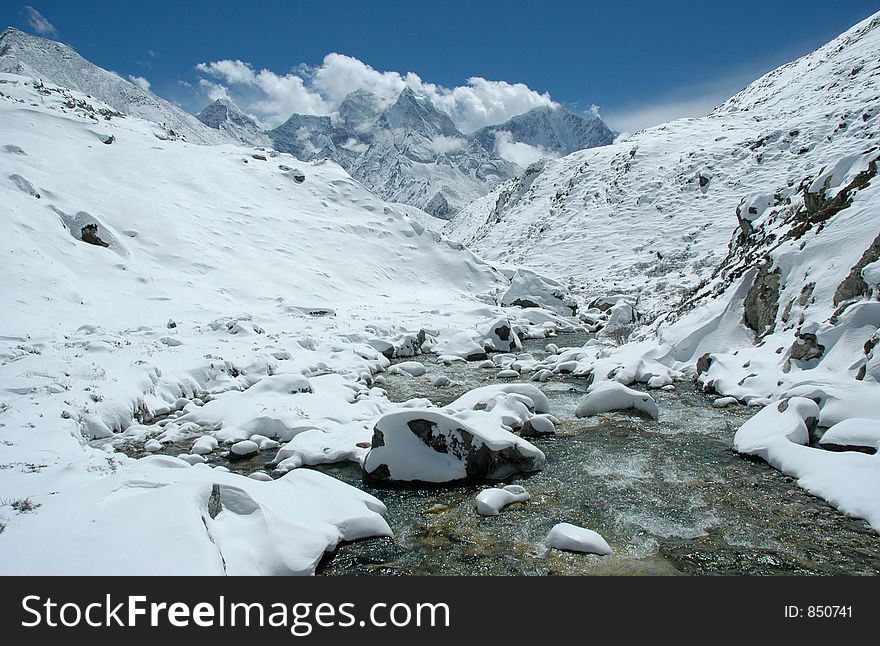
670,497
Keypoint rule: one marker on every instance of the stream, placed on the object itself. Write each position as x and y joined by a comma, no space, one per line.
670,496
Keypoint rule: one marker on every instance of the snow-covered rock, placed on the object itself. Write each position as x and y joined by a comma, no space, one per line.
565,536
491,501
529,289
430,446
244,449
412,368
612,396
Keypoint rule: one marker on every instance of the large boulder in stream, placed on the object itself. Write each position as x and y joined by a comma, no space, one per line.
424,445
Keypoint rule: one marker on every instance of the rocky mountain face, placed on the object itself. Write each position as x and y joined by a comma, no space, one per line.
554,130
54,62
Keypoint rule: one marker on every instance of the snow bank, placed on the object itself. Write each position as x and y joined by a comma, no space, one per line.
855,431
848,480
152,518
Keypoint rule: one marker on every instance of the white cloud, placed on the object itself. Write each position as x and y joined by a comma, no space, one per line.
354,146
140,81
39,23
517,152
320,90
442,144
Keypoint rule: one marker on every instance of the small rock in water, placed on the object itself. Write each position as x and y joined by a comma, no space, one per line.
724,402
442,381
490,502
262,476
488,363
413,368
508,374
538,425
565,536
552,348
269,444
669,389
243,449
542,375
152,446
204,445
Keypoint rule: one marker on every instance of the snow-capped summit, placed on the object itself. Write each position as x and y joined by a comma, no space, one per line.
54,62
227,117
418,115
554,130
358,111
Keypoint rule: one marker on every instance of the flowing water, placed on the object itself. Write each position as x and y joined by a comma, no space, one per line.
670,497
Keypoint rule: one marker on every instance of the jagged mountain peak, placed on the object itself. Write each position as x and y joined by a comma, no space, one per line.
417,113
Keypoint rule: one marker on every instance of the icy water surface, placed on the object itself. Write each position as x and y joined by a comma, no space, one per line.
670,497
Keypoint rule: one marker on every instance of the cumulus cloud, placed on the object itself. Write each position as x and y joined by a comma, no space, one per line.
320,90
519,153
140,81
39,23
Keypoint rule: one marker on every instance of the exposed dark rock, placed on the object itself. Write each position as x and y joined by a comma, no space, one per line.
761,304
214,504
854,286
89,233
703,363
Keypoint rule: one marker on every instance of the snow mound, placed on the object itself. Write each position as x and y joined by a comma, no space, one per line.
491,501
155,518
565,536
612,396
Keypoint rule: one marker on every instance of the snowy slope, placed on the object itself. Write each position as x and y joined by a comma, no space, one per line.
652,216
56,63
147,280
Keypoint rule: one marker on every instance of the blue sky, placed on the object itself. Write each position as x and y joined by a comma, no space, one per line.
640,62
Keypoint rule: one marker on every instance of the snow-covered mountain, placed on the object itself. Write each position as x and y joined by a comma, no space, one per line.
225,116
411,152
553,130
57,63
